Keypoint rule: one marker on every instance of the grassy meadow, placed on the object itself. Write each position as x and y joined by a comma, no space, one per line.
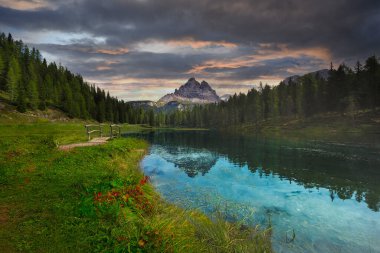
95,199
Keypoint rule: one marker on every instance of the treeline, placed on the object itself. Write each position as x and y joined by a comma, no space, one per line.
343,90
32,83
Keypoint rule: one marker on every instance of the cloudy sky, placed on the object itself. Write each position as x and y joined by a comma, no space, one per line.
143,49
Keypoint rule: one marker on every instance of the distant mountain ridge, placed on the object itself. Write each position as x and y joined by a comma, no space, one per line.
142,103
225,97
192,92
323,73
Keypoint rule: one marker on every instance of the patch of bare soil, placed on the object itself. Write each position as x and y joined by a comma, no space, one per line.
93,142
4,215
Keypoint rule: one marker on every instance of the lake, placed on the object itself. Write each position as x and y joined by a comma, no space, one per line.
326,194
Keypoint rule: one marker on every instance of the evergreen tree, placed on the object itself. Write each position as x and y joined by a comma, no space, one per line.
299,100
21,101
108,108
372,68
274,103
2,70
31,82
32,86
14,79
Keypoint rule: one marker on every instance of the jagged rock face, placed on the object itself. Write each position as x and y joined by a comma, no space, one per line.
192,92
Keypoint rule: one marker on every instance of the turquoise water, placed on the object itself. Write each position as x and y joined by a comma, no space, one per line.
328,194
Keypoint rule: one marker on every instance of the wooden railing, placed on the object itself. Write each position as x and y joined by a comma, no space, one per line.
94,129
115,131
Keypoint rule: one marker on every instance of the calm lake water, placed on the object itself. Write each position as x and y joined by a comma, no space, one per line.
327,193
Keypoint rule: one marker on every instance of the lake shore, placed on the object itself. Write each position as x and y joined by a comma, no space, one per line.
96,199
76,201
316,190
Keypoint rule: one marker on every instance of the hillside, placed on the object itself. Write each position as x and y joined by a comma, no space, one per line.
31,83
321,74
9,114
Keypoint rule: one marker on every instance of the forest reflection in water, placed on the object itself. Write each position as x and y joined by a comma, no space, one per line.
317,189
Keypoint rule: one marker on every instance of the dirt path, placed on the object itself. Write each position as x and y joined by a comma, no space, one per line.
93,142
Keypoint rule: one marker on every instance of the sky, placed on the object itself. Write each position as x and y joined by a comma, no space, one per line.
144,49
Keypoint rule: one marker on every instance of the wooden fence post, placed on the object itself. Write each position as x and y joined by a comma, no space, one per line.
98,128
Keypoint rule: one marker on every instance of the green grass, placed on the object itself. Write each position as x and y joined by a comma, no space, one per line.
95,199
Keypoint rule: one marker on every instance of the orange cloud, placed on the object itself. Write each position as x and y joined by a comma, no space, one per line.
265,52
282,50
24,4
186,44
107,65
118,51
196,44
101,68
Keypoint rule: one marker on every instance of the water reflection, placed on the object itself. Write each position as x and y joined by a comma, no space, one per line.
192,161
329,194
347,171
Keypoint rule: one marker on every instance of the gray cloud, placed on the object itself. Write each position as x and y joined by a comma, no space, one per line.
344,26
347,29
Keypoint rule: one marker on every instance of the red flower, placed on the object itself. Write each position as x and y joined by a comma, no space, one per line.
144,180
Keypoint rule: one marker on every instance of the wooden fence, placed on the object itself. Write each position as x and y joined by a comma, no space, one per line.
94,129
115,130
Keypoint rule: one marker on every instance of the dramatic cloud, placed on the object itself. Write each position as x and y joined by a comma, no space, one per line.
145,48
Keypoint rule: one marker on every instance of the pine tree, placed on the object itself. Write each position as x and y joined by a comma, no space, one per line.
274,103
299,100
101,111
21,101
358,68
372,67
2,69
14,79
32,86
266,101
109,112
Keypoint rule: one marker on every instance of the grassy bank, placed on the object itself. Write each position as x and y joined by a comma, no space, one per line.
96,199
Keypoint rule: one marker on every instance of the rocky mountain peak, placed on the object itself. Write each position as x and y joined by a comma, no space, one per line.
192,92
205,86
